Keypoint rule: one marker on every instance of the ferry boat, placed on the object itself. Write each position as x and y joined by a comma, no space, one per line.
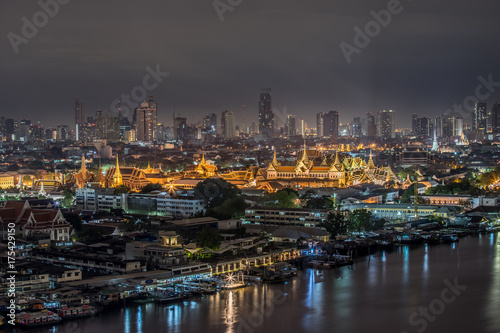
35,319
76,312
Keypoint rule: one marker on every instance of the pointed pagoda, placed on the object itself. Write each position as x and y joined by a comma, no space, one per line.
117,176
370,165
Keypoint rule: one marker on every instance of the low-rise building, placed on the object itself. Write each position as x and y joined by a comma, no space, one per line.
286,216
404,212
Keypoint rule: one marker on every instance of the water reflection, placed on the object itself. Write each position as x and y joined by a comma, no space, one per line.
139,319
126,320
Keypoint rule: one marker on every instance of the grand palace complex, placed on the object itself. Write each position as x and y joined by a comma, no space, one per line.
312,169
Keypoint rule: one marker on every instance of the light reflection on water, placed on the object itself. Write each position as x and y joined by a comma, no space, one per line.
376,294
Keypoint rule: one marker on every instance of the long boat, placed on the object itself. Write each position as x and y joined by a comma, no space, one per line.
76,312
35,319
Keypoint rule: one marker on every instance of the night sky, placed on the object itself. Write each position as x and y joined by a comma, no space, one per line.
426,59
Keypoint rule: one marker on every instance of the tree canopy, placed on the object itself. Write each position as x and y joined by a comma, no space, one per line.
216,191
209,238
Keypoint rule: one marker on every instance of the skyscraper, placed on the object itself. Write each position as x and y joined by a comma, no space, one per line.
146,121
290,127
356,127
495,118
266,115
331,125
79,116
386,124
479,117
320,124
209,124
227,123
180,128
371,125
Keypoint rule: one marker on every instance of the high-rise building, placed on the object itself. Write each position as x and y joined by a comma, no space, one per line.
106,128
290,127
356,128
180,128
452,126
320,124
331,125
227,124
495,118
371,125
386,124
146,121
209,125
479,118
23,131
422,126
79,116
414,123
266,115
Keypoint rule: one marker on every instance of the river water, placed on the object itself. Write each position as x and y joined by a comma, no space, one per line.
440,288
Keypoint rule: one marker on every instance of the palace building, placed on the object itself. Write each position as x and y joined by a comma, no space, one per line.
313,169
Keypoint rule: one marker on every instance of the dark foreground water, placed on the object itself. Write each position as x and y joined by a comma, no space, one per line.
442,288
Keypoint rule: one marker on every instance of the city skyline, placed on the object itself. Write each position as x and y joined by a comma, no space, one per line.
306,69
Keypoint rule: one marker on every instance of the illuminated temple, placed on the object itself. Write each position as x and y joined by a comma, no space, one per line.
313,169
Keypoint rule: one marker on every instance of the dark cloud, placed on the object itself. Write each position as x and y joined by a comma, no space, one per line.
425,60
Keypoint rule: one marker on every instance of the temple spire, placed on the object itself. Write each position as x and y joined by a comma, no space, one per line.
83,168
203,162
117,176
370,164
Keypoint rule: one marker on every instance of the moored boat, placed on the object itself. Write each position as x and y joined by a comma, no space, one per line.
35,319
76,311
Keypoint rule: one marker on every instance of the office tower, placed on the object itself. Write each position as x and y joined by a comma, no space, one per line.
290,127
356,128
371,125
146,121
438,125
331,125
495,118
227,124
180,128
414,124
452,126
209,124
386,124
23,131
266,115
422,126
79,116
320,124
62,132
479,117
124,125
106,128
9,128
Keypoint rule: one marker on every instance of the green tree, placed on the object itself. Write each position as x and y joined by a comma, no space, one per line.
215,191
233,208
121,189
74,220
336,224
361,220
320,203
68,198
281,199
151,187
210,238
